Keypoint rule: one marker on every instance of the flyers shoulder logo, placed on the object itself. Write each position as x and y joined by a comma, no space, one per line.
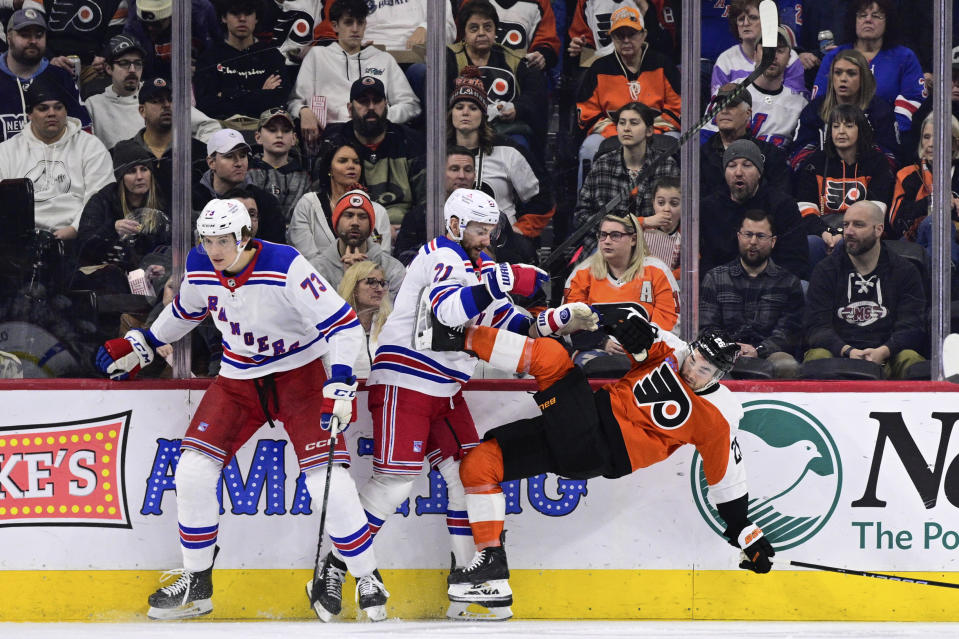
670,406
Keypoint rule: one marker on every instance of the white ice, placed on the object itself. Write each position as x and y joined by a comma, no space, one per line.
515,629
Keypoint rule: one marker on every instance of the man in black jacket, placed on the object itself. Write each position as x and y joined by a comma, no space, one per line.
239,76
722,212
865,302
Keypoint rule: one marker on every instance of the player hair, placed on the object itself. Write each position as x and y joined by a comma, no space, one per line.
347,290
358,9
850,114
890,37
758,215
485,131
597,263
737,8
481,8
929,120
867,82
666,182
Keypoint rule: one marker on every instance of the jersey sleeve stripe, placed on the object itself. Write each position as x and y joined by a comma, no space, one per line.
181,313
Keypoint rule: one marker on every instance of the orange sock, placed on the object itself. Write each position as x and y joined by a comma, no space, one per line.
481,471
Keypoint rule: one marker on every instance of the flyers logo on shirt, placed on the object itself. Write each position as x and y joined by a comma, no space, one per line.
661,390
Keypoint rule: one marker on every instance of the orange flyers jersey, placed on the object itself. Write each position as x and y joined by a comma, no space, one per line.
656,289
657,413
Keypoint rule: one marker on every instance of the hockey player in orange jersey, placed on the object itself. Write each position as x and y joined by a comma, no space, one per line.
670,397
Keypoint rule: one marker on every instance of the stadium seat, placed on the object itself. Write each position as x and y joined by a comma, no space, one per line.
752,368
840,368
607,367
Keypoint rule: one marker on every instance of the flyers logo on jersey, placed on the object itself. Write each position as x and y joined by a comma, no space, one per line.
670,406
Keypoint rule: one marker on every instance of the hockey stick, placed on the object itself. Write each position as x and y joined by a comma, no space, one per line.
864,573
768,15
334,429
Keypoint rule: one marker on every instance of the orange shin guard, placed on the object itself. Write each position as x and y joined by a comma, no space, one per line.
481,471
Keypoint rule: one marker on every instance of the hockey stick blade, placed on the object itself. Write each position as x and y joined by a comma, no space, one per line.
770,21
950,358
864,573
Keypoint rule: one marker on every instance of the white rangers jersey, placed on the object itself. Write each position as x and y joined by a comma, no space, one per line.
276,315
444,268
775,116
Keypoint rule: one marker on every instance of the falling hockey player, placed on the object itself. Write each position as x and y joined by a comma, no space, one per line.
670,397
415,395
277,317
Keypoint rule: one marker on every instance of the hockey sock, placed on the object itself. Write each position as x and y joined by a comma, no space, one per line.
382,495
481,472
457,522
345,520
198,509
544,358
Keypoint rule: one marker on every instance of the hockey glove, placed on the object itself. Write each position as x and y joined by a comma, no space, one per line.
757,549
527,279
339,395
124,357
499,280
628,323
566,319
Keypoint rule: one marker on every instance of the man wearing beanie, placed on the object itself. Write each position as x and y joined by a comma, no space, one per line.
66,165
353,221
722,212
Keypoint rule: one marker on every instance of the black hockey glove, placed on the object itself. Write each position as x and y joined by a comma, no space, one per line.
756,548
629,324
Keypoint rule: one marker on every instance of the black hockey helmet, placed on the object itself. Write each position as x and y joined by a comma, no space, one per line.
717,348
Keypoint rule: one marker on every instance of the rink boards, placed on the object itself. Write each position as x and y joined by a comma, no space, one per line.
865,476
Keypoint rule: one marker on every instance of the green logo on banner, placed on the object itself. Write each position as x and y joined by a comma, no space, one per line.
793,470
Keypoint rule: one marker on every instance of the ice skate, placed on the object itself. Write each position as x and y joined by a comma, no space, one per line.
371,596
328,587
463,611
189,596
484,581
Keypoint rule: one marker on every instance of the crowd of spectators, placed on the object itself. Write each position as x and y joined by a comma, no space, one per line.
312,113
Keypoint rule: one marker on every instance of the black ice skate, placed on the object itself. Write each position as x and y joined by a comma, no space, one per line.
371,596
326,592
484,581
189,596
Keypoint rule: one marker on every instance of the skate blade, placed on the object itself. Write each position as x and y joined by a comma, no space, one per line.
462,611
490,593
322,613
196,608
376,613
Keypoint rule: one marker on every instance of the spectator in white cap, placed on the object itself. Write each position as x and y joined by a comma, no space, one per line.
24,63
228,159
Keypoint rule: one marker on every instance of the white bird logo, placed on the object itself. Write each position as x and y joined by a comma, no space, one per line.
779,477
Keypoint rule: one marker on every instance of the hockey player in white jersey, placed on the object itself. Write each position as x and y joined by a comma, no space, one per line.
415,395
277,317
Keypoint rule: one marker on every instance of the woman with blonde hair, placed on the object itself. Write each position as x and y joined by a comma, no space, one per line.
365,288
621,270
850,82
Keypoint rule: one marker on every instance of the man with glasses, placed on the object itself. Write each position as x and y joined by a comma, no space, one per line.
353,221
723,211
115,112
23,64
754,300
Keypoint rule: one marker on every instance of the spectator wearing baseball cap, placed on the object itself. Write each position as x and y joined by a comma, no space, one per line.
632,72
276,170
733,123
25,62
722,212
238,77
354,219
115,112
66,165
228,162
154,132
393,155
